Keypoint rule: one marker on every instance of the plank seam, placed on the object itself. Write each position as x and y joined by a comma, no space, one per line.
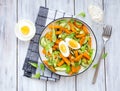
105,72
104,53
46,3
46,81
74,6
16,48
75,76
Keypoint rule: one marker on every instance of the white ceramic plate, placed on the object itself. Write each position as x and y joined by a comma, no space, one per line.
94,46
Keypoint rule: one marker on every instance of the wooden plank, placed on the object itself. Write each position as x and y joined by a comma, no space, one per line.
84,80
65,83
7,45
112,17
28,9
61,5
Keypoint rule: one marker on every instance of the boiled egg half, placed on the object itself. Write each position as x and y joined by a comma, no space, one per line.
72,43
63,47
25,30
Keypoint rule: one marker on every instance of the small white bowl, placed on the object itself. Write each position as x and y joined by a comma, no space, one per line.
20,35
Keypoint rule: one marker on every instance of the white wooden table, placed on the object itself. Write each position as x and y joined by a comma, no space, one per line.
13,51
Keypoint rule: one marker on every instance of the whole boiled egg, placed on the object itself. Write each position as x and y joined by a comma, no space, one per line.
72,43
64,49
25,30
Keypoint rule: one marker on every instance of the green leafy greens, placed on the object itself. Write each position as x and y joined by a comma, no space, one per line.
42,67
95,65
104,55
47,44
82,14
37,75
34,64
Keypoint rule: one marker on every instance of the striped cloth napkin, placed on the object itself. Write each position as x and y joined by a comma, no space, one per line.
45,16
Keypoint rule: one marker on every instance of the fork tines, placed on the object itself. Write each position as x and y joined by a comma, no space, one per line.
107,30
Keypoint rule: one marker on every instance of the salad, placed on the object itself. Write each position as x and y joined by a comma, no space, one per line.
67,46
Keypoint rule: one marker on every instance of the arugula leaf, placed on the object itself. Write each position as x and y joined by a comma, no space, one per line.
95,65
37,76
72,35
82,14
83,47
71,20
62,21
68,69
104,55
56,52
91,52
42,67
62,36
79,23
77,63
34,64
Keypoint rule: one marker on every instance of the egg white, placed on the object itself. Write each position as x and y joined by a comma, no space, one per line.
67,49
31,27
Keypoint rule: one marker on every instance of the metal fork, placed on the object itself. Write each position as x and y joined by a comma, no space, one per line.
107,31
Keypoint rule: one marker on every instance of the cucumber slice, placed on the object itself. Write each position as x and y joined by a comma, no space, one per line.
77,29
90,61
84,65
61,21
67,26
60,68
81,32
43,42
54,36
86,39
63,24
50,50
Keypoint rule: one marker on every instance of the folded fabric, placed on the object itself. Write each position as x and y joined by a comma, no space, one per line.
32,62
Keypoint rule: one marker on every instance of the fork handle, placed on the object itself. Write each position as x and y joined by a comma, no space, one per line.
98,66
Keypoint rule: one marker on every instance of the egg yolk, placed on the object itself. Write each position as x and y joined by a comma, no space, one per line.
73,43
63,48
25,30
